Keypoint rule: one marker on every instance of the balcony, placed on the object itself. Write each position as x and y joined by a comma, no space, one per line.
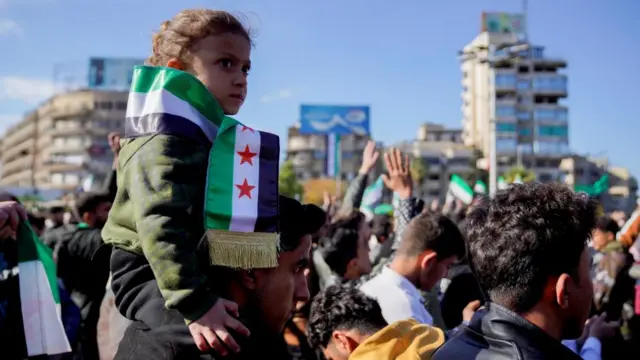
551,85
551,114
18,150
505,81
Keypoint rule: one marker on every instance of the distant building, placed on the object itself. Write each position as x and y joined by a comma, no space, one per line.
443,153
63,141
532,122
308,153
579,170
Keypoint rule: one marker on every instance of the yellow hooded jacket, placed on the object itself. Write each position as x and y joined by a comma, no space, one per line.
402,340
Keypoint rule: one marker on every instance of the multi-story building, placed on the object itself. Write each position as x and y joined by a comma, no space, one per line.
442,152
524,92
579,170
308,154
64,140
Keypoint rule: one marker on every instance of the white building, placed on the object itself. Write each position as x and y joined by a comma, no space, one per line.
531,118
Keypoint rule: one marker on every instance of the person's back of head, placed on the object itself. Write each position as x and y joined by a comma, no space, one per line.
382,227
347,254
604,232
341,318
430,244
527,248
93,208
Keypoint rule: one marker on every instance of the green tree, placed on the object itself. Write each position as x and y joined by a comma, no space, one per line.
526,175
419,171
288,182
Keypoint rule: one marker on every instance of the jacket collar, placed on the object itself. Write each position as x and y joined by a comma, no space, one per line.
497,322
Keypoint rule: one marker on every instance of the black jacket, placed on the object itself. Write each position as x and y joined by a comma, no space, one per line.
498,334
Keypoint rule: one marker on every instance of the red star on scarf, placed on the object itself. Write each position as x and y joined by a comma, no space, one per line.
247,128
245,189
246,155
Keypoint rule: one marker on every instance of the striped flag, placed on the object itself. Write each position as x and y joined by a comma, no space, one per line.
460,189
241,195
241,205
480,187
502,183
334,154
372,197
173,98
39,296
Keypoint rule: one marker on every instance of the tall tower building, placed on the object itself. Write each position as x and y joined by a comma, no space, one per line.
524,91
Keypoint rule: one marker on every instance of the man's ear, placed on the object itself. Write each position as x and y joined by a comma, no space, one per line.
428,260
343,342
562,290
175,64
248,278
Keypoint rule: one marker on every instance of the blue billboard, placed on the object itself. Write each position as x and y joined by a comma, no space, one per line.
111,73
340,120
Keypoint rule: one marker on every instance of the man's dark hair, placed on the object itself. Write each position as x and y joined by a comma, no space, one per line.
342,248
36,221
607,224
381,226
435,232
88,202
349,221
524,236
342,308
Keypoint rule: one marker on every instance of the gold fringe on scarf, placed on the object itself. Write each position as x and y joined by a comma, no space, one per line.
243,250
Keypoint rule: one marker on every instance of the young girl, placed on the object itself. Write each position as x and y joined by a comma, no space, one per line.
161,185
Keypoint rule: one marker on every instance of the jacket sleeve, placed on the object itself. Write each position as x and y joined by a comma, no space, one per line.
164,181
630,230
353,195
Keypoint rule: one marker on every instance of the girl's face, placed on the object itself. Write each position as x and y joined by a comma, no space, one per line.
222,62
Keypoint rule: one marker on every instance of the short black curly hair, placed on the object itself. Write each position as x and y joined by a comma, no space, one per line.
341,307
523,236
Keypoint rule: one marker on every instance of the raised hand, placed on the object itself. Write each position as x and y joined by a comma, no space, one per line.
398,177
369,157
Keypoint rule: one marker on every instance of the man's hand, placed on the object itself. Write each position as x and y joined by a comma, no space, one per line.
602,329
210,331
114,142
369,157
399,179
11,213
469,310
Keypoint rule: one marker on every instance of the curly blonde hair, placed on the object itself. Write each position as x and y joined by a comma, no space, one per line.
177,36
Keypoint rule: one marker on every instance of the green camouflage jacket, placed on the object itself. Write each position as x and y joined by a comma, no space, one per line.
157,212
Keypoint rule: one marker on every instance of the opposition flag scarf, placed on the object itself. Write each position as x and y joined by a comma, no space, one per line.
39,296
241,195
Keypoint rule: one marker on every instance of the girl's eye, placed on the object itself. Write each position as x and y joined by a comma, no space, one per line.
226,63
246,69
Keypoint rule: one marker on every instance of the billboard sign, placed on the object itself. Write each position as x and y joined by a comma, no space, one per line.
340,120
111,73
505,23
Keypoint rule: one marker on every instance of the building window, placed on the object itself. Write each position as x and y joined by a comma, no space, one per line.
558,114
505,110
121,105
524,131
551,147
560,131
523,115
505,80
505,128
523,84
550,83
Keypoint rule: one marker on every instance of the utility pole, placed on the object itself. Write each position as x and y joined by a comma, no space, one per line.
493,156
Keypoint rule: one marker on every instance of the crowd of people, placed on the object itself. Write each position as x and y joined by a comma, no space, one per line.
190,252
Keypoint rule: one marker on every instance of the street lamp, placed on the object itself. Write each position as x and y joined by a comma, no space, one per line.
507,52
